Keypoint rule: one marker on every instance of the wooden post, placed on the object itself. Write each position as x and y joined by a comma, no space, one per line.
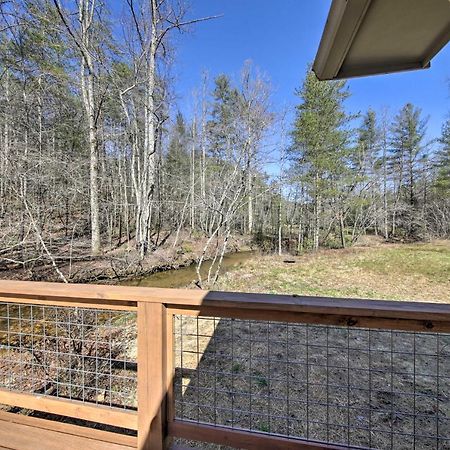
152,378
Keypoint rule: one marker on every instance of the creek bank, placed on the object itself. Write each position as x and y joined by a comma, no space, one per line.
120,264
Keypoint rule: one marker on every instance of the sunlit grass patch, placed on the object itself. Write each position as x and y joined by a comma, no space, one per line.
392,271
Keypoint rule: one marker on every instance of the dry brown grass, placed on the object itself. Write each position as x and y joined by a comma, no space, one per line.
389,271
253,375
342,401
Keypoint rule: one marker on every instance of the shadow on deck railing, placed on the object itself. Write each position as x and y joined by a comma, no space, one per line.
249,371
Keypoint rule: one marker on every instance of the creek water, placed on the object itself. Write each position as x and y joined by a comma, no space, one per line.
177,278
174,278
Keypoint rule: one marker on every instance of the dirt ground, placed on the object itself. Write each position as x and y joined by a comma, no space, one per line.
353,387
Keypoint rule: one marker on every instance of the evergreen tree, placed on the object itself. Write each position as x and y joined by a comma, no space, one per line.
407,151
443,161
408,132
366,166
368,144
177,161
320,141
222,126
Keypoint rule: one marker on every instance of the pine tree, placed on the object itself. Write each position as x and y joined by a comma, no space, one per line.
407,147
222,126
366,166
319,140
442,183
177,162
368,143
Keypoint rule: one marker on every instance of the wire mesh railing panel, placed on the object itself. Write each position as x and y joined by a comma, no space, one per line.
68,352
355,387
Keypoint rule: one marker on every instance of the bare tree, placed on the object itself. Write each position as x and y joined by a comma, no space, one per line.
153,21
82,34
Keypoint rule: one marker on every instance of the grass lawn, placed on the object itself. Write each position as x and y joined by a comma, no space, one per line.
384,271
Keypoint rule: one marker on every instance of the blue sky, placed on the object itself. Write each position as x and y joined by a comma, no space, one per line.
281,37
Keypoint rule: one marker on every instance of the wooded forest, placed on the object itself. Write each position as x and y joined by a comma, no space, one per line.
96,156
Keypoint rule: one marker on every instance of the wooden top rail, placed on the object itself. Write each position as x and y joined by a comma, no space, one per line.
127,297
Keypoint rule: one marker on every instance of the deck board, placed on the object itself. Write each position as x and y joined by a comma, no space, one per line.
30,433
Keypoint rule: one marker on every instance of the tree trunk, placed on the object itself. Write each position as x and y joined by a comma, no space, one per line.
85,13
317,205
147,183
341,229
249,203
194,137
280,237
93,150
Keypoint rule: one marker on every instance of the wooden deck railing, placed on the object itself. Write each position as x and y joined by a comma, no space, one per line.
156,418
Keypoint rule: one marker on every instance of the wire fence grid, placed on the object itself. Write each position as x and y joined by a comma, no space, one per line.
68,352
371,388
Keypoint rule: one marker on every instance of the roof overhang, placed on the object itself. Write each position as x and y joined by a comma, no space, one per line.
367,37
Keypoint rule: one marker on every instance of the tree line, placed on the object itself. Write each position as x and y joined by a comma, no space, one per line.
95,155
383,176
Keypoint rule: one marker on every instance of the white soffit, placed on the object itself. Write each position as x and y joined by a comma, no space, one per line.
367,37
